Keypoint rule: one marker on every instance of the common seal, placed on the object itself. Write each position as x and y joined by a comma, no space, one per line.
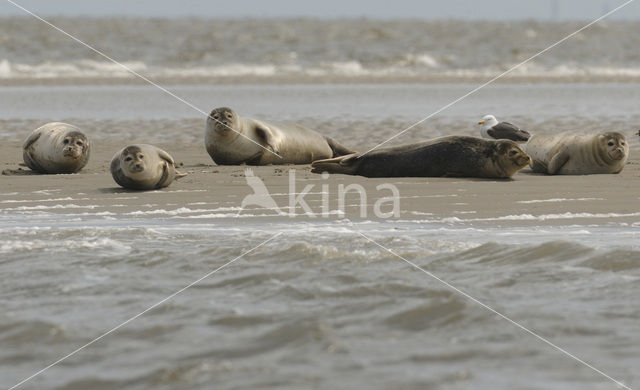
144,167
493,129
578,154
232,140
447,156
56,148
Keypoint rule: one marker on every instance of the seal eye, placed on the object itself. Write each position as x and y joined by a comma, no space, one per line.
216,116
128,158
610,143
229,116
513,153
79,143
141,157
66,142
622,143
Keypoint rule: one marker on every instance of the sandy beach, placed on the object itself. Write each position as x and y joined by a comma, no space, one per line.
526,199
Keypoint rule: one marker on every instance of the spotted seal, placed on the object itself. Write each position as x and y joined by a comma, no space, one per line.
143,167
233,140
578,154
56,148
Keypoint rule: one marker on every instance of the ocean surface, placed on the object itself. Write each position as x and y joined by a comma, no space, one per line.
318,305
302,49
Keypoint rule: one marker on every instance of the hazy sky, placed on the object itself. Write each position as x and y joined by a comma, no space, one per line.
421,9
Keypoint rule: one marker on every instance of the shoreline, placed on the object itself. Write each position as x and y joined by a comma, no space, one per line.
433,79
211,193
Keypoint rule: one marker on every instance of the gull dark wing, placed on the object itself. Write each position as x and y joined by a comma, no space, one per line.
506,130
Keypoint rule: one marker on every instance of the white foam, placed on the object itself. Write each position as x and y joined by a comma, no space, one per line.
172,192
410,65
5,69
53,207
41,200
112,246
419,213
180,211
557,200
542,217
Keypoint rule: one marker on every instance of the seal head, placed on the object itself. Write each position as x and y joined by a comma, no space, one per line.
132,160
223,120
613,146
509,158
74,145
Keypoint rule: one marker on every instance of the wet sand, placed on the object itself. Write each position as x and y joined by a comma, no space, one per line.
213,192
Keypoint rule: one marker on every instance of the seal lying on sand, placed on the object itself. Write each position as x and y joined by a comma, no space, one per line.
578,154
447,156
56,148
144,167
232,140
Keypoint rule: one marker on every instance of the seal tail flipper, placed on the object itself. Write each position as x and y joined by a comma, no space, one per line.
343,164
337,149
179,175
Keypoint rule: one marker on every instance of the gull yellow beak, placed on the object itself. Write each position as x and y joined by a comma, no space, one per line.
481,123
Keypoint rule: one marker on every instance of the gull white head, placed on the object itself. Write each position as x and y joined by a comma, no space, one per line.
488,121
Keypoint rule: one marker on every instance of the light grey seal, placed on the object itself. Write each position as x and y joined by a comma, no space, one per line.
233,140
493,129
578,154
56,148
144,167
457,156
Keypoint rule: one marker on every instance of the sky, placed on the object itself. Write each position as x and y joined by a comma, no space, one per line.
374,9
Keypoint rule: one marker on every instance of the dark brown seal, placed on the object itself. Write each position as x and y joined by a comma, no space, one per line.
455,156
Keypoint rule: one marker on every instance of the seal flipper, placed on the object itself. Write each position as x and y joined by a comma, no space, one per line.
32,163
337,149
32,138
165,156
344,164
26,153
266,136
164,178
557,162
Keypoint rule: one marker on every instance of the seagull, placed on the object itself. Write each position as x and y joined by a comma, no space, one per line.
491,128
